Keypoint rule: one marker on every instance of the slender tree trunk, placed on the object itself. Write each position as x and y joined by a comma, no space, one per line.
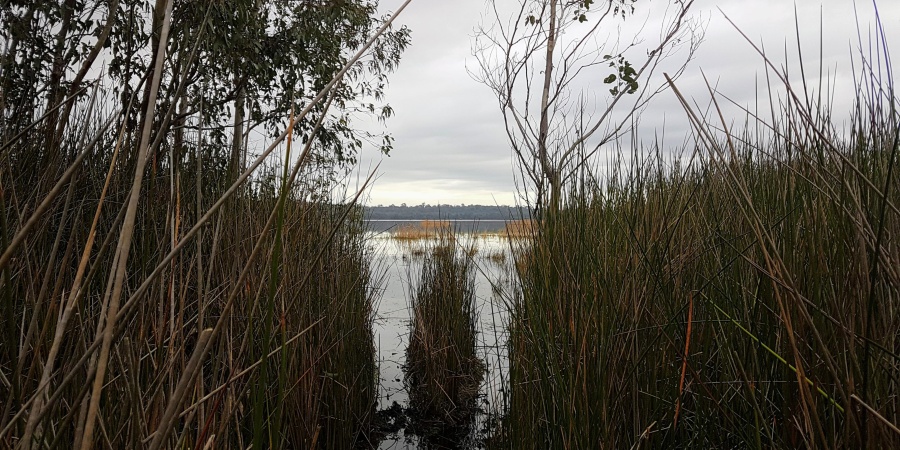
154,50
238,138
54,86
113,8
551,173
24,25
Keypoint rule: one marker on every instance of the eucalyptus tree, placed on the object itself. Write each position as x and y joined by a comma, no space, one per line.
49,49
257,60
544,63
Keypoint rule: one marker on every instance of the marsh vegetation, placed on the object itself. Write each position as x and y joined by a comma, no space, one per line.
163,286
443,369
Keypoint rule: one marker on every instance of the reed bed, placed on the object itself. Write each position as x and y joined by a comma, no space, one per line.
426,229
747,300
443,370
519,229
159,294
294,364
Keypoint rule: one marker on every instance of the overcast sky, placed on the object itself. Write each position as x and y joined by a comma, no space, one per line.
450,145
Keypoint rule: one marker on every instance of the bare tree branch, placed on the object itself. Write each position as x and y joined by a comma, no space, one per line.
534,57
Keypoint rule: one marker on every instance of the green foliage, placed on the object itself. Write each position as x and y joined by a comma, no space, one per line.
277,55
43,42
627,76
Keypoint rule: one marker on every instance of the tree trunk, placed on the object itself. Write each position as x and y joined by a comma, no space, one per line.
54,85
113,7
551,173
238,138
158,15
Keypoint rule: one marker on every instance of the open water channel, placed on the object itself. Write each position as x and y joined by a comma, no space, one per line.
401,262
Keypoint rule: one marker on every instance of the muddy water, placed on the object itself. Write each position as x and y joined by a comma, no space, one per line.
401,262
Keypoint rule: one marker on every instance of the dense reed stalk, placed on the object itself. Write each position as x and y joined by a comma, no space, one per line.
317,319
153,298
312,307
748,299
443,369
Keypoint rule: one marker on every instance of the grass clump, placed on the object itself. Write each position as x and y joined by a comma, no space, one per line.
443,370
324,385
497,257
653,313
296,343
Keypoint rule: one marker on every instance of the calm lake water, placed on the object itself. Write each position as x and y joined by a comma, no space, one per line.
494,274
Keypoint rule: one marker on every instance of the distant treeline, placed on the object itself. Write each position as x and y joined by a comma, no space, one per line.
446,212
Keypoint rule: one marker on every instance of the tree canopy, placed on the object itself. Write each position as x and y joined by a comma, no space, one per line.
231,65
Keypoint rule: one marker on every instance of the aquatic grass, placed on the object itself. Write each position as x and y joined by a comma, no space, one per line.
152,299
312,285
497,257
424,230
412,233
443,369
745,299
438,226
519,229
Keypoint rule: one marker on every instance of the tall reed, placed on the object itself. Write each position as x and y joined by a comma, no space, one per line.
443,369
748,299
311,332
152,298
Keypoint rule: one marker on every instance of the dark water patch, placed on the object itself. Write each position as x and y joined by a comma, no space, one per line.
406,427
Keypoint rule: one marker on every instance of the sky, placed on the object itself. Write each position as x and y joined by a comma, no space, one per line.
450,143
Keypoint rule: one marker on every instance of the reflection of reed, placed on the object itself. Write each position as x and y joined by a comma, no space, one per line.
443,371
497,257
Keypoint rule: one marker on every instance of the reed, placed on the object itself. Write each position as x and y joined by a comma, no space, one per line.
152,298
443,370
749,299
426,229
519,229
497,257
304,349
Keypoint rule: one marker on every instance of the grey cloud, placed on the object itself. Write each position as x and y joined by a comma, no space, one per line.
450,142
